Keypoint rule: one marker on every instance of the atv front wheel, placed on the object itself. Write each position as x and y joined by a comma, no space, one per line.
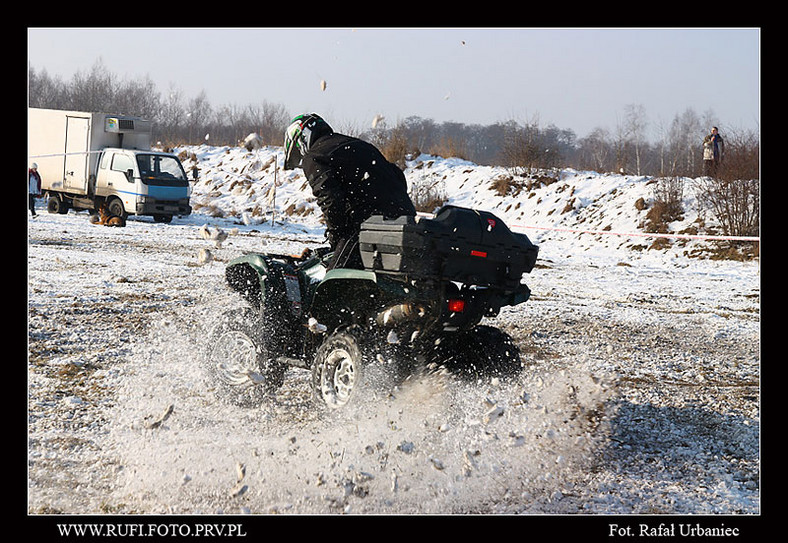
240,361
337,370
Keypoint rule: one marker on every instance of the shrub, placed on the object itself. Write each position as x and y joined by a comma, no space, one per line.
668,207
735,204
449,148
505,184
428,197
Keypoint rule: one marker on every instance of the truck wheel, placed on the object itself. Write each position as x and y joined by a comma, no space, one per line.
337,370
56,205
240,362
115,207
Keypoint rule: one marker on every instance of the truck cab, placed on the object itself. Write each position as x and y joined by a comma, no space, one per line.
135,182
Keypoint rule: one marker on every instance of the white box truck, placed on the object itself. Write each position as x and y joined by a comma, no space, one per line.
89,159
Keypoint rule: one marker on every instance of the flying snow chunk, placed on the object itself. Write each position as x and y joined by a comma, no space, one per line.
253,141
378,119
255,377
316,327
204,256
218,236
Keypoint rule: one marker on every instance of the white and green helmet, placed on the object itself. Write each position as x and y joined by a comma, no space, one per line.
303,131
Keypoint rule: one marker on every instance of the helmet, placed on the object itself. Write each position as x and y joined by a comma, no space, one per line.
302,133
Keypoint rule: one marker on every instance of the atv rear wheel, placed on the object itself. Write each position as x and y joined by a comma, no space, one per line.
337,370
240,362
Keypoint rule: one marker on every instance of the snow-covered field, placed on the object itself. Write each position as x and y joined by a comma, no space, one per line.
641,393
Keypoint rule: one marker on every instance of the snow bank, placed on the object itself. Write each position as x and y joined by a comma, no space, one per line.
597,212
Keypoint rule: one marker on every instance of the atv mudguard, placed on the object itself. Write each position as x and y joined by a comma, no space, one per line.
271,280
246,275
498,299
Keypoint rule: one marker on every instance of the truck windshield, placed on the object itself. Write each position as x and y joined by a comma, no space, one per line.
161,170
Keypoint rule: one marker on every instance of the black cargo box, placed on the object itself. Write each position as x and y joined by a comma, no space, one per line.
459,244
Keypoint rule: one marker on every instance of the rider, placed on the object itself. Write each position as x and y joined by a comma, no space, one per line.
350,179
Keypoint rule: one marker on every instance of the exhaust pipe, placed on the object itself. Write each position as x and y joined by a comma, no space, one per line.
398,314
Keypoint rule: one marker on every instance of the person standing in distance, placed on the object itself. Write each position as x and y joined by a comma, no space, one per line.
33,187
350,179
713,151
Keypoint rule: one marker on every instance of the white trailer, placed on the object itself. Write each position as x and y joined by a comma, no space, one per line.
90,159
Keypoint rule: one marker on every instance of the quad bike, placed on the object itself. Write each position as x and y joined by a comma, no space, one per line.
424,289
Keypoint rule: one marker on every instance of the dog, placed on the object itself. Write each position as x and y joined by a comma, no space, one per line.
106,218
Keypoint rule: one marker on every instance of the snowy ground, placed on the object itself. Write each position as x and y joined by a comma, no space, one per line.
641,395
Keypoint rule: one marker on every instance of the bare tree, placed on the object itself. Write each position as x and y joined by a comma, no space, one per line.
94,90
527,147
45,91
679,145
171,115
635,122
269,121
198,114
735,204
742,154
595,150
137,97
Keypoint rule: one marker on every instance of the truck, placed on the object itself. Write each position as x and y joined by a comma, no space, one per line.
88,160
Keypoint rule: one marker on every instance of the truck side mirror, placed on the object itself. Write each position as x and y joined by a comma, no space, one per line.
130,175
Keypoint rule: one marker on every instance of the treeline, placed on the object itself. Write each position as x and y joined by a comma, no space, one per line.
526,145
176,118
519,145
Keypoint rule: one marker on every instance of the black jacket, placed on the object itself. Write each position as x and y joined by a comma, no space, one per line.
352,181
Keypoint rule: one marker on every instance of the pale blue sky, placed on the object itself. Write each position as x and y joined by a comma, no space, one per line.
574,78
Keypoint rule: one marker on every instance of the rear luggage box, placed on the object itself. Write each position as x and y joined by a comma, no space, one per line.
460,244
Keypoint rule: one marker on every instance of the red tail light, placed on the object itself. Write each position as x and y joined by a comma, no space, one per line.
456,305
481,254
